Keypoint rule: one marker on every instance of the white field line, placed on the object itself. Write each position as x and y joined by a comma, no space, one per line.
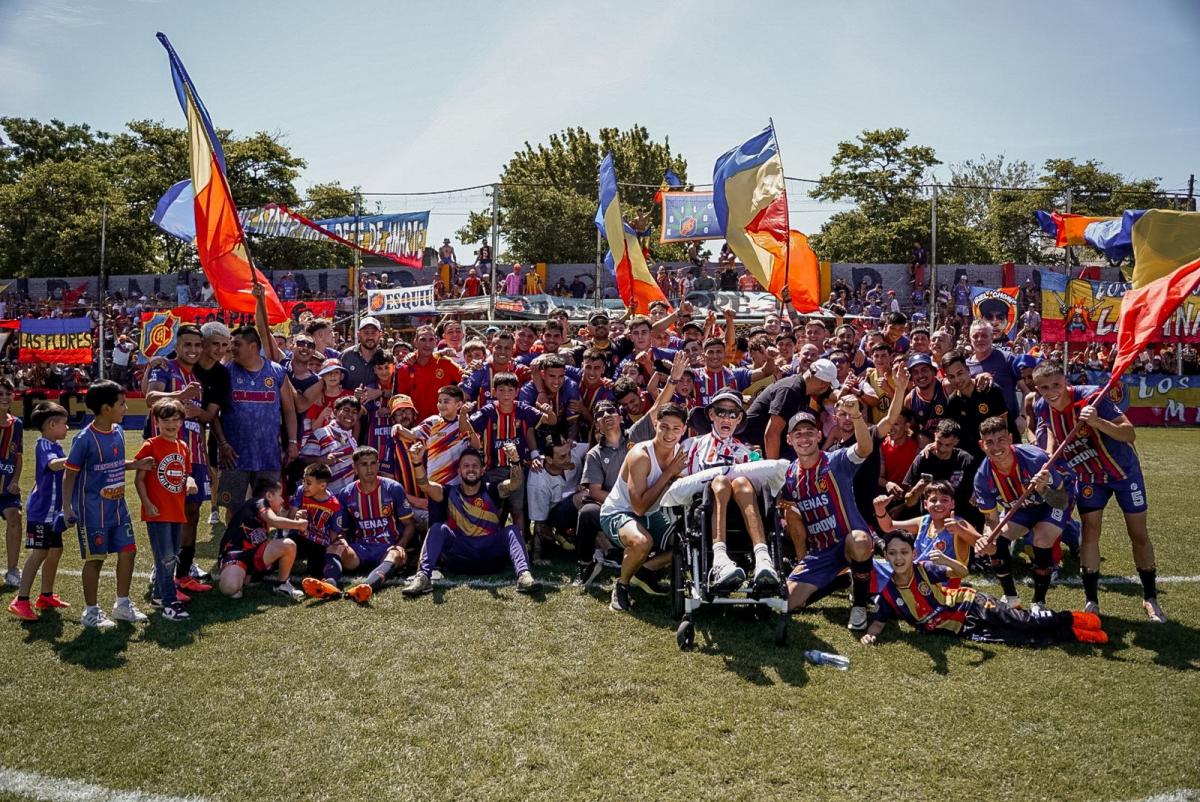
1178,795
58,789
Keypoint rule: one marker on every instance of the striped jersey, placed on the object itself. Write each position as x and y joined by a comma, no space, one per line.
823,495
45,500
333,441
710,451
927,602
1093,456
444,444
378,435
477,515
174,377
498,428
372,517
994,488
324,517
709,383
99,458
12,438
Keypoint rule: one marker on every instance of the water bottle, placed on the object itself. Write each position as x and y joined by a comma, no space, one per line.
755,454
819,658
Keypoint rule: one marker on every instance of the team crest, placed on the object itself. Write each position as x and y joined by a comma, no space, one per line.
938,409
158,334
822,484
1085,431
268,382
439,373
923,588
1088,491
983,409
387,510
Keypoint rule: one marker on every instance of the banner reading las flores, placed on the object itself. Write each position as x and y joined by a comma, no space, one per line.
51,340
1155,399
1080,311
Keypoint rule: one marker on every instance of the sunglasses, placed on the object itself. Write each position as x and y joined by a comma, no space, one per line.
305,344
840,361
727,412
604,412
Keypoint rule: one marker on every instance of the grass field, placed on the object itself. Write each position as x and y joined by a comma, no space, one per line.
479,693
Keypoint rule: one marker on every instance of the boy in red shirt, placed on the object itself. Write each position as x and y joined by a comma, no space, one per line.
163,490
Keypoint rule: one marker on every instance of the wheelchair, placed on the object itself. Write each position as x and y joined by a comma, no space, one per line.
692,558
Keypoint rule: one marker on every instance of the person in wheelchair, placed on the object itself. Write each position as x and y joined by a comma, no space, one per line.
720,447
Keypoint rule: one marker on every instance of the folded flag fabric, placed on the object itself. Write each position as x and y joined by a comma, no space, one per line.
1163,241
750,202
1067,229
625,259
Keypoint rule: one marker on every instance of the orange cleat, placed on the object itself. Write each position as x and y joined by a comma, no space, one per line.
22,609
192,585
1090,635
1085,621
181,597
319,588
361,593
45,602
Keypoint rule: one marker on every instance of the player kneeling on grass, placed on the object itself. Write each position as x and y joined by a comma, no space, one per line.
1105,464
1002,477
378,528
247,549
941,530
822,517
94,497
465,532
919,592
44,523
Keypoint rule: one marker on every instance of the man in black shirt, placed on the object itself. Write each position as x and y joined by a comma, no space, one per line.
971,406
766,420
942,460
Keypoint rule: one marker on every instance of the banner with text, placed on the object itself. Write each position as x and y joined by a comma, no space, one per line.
400,237
50,340
1081,311
1155,399
401,301
688,216
998,307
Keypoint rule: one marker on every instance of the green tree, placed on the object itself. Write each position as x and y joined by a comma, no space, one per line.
549,193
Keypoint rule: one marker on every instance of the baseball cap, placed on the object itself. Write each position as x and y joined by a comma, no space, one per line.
919,359
369,321
400,401
802,418
732,396
329,366
826,371
598,317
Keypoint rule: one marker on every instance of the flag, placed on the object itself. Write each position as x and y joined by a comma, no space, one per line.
751,205
1145,309
220,240
625,258
7,327
1163,241
158,333
802,276
1067,229
50,340
670,181
71,297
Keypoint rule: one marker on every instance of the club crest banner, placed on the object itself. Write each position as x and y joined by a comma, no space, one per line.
401,301
688,216
158,334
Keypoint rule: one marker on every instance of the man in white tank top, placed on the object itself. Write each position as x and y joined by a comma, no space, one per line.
631,516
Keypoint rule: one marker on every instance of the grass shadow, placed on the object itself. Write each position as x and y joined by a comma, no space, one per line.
746,644
208,610
97,650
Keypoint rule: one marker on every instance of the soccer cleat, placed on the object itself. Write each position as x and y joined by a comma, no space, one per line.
198,573
360,593
1012,602
12,578
1085,621
286,588
765,578
1092,607
1154,612
182,597
649,581
46,602
527,584
620,599
585,573
96,619
214,517
1090,635
176,612
858,619
1039,608
319,588
127,612
417,584
22,609
192,585
726,577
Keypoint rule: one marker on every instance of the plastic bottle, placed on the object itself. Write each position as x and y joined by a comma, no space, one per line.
818,658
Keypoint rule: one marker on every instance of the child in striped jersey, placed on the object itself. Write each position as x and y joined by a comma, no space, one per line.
43,527
941,530
445,435
333,444
323,511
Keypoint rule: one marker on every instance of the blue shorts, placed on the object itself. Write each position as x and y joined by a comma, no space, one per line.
1130,493
97,543
820,568
370,554
9,501
203,485
658,524
1029,517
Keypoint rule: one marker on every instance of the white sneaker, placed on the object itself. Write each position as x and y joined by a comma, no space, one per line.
199,574
236,595
1154,612
127,612
1012,602
289,590
1092,607
1039,608
214,516
96,619
12,578
765,577
727,575
858,619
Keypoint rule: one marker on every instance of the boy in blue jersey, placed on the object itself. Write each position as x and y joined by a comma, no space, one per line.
1002,477
43,526
94,499
940,530
324,513
1105,464
465,520
12,437
378,529
822,517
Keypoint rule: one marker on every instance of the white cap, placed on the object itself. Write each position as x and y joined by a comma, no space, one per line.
369,321
826,371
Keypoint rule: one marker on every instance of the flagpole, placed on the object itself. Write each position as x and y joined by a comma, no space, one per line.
103,237
787,221
355,281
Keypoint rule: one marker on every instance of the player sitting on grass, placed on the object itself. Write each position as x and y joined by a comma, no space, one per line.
1002,477
44,525
314,502
465,532
247,549
378,529
940,530
918,592
94,498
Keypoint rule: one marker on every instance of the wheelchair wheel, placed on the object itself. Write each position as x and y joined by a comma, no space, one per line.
678,586
781,630
685,635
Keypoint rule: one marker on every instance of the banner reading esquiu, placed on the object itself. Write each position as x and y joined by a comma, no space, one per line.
402,301
50,340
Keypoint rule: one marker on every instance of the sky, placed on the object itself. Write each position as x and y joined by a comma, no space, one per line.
416,97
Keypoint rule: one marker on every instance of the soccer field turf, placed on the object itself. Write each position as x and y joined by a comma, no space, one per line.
479,693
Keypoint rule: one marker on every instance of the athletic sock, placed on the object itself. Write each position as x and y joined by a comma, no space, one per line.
1002,565
1043,558
1091,585
333,568
187,555
860,582
720,555
762,556
380,573
1149,579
